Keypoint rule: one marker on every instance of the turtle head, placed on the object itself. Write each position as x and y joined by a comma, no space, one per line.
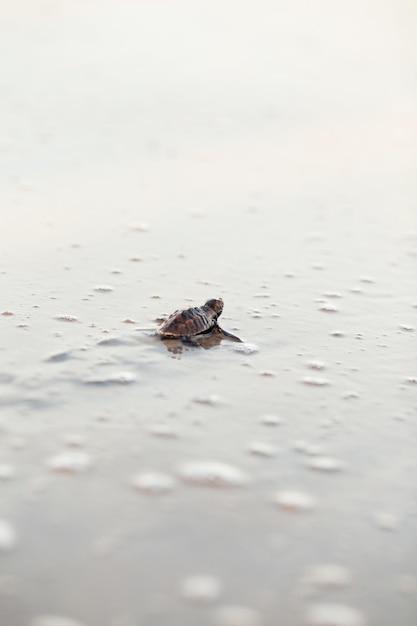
215,305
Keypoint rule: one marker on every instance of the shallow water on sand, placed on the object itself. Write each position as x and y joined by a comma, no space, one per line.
145,169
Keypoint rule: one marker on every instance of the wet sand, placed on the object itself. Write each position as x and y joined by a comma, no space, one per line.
152,156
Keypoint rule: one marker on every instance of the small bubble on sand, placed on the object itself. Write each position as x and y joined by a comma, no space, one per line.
58,357
209,399
7,471
128,320
315,236
326,464
271,420
386,521
236,616
260,448
75,462
334,615
328,308
411,379
350,395
103,288
75,441
54,620
200,589
297,501
8,537
106,544
327,576
152,483
141,227
163,430
366,279
315,382
337,333
332,294
118,378
312,450
299,445
267,373
316,365
102,417
212,474
197,213
66,318
406,327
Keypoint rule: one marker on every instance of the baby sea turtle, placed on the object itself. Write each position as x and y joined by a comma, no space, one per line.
186,323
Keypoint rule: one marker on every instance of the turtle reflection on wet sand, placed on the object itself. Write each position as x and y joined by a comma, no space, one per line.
186,324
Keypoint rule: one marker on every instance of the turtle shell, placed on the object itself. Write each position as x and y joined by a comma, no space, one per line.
193,321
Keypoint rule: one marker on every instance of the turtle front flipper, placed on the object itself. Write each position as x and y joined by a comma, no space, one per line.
228,335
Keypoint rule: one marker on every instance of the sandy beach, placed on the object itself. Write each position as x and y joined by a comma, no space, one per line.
153,155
